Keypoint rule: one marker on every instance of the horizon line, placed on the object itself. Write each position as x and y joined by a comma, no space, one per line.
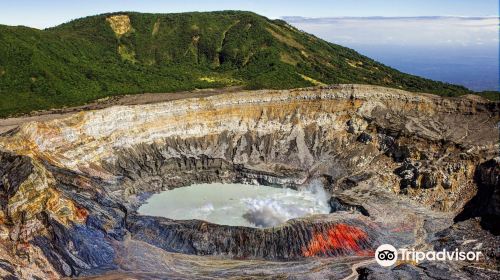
288,17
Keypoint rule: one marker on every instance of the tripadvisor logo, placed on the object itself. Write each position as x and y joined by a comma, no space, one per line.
386,255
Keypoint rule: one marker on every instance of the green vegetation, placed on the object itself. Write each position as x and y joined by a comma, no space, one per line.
106,55
491,95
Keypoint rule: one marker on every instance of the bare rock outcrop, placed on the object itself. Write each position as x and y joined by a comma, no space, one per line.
400,165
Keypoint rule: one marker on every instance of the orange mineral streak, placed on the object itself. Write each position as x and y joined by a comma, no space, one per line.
339,237
81,214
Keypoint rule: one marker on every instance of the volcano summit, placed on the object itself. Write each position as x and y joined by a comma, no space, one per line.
411,169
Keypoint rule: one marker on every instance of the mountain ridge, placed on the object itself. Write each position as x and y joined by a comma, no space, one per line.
127,52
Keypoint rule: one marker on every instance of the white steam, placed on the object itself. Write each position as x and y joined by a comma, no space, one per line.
281,207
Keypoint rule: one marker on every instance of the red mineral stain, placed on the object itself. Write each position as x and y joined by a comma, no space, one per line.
81,214
340,237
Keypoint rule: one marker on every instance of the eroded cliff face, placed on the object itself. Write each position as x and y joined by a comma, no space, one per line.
408,161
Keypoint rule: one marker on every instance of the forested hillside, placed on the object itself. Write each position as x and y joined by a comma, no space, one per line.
125,53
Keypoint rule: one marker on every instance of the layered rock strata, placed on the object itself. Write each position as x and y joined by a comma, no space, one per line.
407,162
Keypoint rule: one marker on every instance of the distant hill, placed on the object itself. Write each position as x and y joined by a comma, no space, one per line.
125,53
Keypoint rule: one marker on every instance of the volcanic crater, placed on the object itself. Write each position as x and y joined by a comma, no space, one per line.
401,168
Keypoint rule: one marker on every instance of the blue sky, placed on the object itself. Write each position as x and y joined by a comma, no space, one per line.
41,14
459,50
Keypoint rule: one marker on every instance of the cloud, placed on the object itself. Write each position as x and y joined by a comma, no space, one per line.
414,31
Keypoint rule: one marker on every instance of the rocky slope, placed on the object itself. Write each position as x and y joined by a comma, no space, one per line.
400,167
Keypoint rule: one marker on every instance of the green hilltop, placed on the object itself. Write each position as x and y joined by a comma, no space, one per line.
128,53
